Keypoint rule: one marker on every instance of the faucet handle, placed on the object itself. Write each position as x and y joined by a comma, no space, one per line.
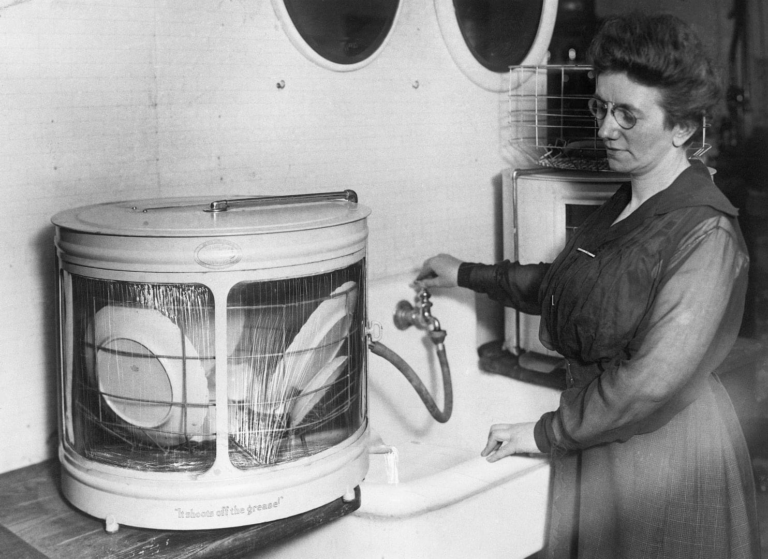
424,301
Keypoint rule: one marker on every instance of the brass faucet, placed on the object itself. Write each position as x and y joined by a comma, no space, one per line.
406,315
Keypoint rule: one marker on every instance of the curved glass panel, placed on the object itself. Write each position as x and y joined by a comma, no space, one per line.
343,31
139,386
295,366
499,33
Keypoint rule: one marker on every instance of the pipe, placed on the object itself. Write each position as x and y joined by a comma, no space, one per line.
392,457
437,337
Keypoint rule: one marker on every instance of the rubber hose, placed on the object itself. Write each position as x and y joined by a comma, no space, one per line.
440,416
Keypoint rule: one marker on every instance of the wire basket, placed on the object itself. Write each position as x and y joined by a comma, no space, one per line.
550,121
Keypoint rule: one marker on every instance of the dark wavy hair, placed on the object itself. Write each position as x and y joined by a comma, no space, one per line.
664,52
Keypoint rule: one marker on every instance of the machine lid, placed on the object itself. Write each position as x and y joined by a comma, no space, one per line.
214,216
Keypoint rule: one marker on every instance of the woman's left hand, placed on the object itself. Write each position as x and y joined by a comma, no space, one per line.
439,271
505,439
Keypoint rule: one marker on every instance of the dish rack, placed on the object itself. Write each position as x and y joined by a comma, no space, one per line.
550,122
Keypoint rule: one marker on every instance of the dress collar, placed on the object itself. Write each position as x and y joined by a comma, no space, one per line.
693,187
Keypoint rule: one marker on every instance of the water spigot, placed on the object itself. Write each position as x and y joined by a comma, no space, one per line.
406,315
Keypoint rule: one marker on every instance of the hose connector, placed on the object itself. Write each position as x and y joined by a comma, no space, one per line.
437,336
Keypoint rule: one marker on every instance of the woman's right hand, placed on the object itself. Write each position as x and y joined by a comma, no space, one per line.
439,271
506,439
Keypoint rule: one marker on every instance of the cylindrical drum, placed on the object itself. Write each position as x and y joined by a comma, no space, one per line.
211,351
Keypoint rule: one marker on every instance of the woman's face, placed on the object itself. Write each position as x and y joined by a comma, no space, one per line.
646,146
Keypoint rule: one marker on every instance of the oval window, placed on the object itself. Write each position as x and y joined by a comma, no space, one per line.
499,33
486,37
340,34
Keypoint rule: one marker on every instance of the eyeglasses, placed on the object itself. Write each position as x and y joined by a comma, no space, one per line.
599,110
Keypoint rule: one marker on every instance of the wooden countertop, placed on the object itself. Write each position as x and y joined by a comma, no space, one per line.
37,522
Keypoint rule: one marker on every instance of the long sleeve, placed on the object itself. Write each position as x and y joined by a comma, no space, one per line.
510,283
691,326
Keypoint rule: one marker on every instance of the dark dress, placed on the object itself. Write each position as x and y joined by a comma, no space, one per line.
648,458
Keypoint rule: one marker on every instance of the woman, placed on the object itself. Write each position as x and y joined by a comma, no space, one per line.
644,302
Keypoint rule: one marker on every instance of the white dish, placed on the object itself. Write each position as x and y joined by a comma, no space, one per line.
146,369
316,389
317,342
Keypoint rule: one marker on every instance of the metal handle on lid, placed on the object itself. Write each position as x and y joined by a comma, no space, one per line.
256,201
